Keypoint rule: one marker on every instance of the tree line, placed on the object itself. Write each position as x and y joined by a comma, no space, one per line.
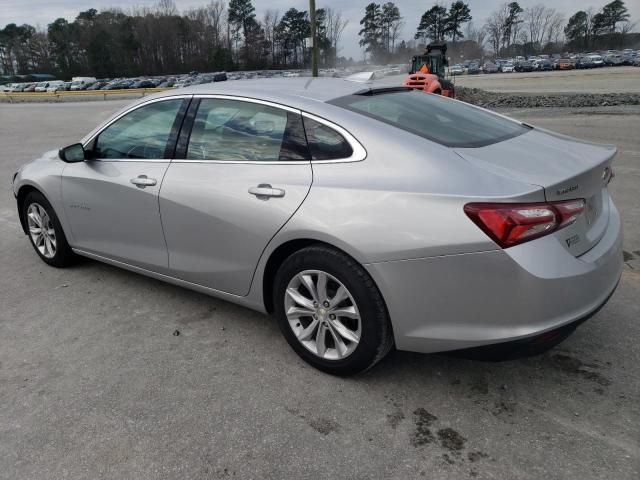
509,30
220,36
160,40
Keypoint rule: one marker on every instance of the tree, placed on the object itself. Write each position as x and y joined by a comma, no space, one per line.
242,17
433,24
390,21
512,23
335,26
270,23
542,25
371,31
577,29
293,28
459,14
611,14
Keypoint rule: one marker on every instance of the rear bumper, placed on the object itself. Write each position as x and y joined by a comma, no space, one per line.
456,302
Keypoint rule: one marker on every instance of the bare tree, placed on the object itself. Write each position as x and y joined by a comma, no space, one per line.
533,18
556,28
478,35
394,32
627,27
496,25
335,26
166,8
270,21
215,19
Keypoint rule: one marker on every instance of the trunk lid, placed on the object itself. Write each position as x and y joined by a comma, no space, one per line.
566,168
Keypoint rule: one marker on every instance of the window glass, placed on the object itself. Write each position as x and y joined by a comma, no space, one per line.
233,130
450,123
324,142
142,133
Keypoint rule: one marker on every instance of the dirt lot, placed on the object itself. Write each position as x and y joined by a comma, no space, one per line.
94,383
598,80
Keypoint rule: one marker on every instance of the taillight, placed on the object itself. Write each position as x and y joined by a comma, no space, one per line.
509,224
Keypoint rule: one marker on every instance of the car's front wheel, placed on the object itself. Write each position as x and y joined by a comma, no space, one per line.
331,312
45,231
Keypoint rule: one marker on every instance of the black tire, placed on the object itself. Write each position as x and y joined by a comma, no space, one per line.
63,256
376,337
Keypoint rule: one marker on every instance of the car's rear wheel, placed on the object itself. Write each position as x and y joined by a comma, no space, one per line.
45,231
331,312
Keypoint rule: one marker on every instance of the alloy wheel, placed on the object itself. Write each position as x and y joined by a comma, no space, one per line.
41,230
323,315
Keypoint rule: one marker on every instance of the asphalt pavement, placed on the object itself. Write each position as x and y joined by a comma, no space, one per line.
109,374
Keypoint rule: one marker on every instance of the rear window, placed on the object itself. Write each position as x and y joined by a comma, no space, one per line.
450,123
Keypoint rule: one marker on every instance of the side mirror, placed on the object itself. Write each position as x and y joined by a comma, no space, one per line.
72,154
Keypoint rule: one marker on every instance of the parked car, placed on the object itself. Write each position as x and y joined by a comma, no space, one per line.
41,87
220,77
473,68
523,223
14,87
97,85
55,85
627,58
507,67
563,64
523,66
145,83
584,62
543,65
81,83
490,67
456,70
29,87
596,61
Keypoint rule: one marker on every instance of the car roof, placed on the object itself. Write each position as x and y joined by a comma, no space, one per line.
293,91
304,93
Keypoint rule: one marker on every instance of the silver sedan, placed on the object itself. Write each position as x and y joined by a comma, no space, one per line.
362,216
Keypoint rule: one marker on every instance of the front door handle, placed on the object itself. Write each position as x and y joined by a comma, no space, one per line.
264,191
143,181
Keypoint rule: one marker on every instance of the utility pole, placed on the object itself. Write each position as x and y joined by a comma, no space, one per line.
314,43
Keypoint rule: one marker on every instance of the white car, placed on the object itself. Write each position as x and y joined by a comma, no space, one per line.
42,86
55,86
597,60
508,68
81,83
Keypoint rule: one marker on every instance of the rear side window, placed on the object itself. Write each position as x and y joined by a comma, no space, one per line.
324,142
233,130
450,123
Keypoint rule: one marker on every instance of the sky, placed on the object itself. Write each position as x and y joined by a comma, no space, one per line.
40,12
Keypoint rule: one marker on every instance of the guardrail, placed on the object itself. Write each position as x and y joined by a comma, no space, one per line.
81,93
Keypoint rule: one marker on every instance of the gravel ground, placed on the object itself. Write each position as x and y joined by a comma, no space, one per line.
95,382
598,80
488,99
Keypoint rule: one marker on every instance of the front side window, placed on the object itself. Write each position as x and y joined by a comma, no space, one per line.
234,130
140,134
450,123
324,142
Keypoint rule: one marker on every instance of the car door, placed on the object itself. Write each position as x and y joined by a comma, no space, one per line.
111,199
239,177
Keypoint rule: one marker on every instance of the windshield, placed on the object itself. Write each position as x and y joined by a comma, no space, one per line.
445,121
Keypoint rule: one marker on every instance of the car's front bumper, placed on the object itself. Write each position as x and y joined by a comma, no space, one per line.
454,302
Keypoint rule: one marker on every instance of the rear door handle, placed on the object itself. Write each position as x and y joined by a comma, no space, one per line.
264,191
143,181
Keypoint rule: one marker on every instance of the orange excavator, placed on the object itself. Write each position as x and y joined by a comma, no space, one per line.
428,71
